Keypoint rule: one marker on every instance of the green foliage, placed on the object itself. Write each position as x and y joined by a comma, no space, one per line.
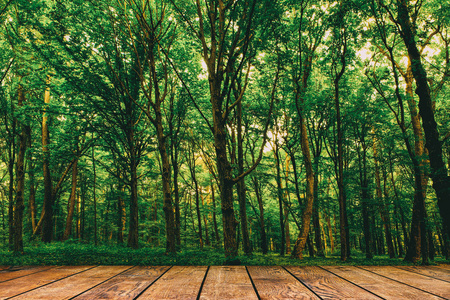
73,253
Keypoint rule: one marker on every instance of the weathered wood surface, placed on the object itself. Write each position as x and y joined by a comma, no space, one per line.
428,284
16,272
431,271
228,282
329,286
127,285
379,285
35,280
177,283
72,286
446,266
225,282
277,283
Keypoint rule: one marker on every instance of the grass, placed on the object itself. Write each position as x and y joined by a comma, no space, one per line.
78,254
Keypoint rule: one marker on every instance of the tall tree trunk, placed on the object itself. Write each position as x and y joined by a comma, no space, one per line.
287,231
264,245
241,184
365,200
11,160
216,230
343,219
19,206
47,222
307,211
167,192
316,215
280,199
287,206
78,222
71,202
224,174
386,217
380,201
133,228
205,221
32,195
197,195
176,193
300,89
330,233
94,191
441,181
121,210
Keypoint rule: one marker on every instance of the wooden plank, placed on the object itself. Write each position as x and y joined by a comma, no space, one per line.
431,271
178,283
277,283
16,272
425,283
27,283
328,285
228,282
127,285
444,266
379,285
74,285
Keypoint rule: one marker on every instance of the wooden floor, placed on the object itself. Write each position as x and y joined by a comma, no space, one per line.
225,282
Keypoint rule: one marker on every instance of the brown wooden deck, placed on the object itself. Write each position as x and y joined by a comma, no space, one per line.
225,282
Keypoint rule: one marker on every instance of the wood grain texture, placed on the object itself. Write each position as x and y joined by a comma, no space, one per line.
444,266
379,285
127,285
430,271
74,285
16,272
227,282
178,283
277,283
425,283
26,283
328,285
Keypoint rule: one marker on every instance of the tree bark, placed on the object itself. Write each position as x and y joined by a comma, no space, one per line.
197,194
241,184
94,191
307,211
280,199
216,230
31,178
47,222
121,210
316,215
19,206
441,181
167,192
343,219
386,217
176,193
11,160
71,202
365,199
133,228
264,245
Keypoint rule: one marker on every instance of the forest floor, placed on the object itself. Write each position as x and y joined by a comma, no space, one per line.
67,253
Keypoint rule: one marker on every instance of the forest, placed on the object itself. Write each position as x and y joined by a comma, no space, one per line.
303,128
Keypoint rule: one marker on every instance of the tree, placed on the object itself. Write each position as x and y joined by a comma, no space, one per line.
226,49
439,173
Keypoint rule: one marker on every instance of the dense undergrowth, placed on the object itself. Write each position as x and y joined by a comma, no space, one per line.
79,254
